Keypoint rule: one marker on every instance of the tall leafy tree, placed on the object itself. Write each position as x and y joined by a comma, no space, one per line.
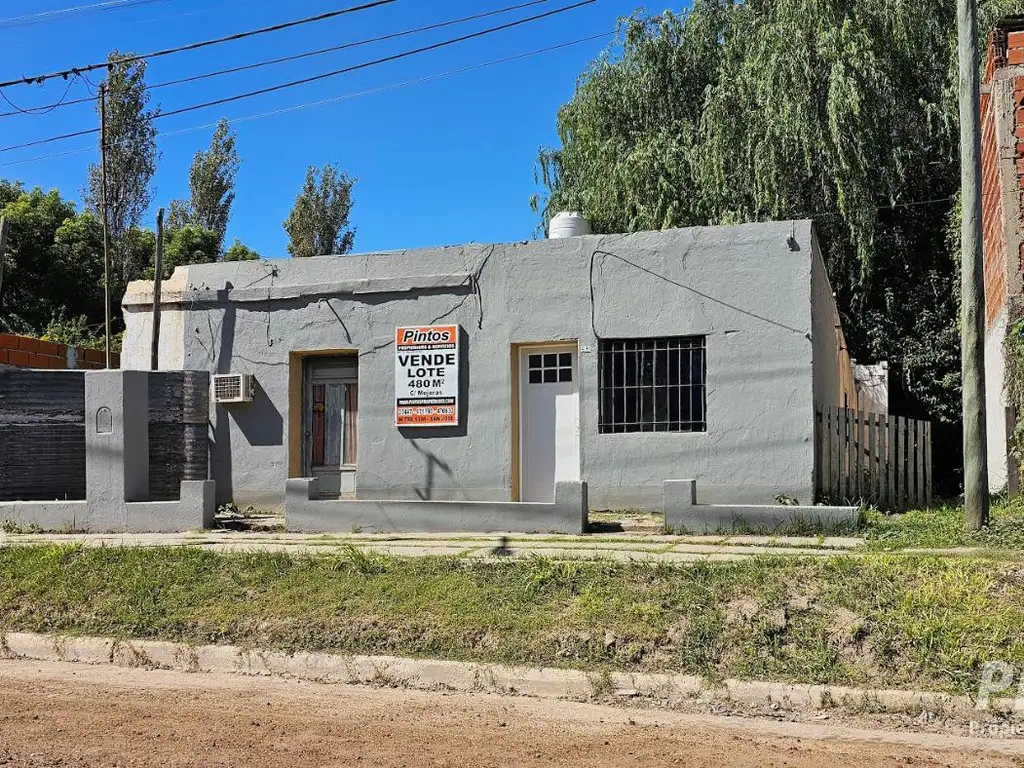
54,260
843,111
318,224
131,159
211,185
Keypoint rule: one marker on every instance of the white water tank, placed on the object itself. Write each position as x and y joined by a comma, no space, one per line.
568,224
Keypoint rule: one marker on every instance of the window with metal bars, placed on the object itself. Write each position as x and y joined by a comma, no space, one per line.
653,385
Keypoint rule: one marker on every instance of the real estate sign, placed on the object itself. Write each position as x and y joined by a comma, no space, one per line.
427,376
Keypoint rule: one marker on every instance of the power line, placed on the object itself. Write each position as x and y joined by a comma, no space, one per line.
345,97
295,57
315,78
196,46
60,14
43,110
375,62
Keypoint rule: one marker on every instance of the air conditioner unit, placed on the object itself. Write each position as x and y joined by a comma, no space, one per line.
233,388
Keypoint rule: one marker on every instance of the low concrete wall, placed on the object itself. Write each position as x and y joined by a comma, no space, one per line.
683,513
304,512
117,470
195,510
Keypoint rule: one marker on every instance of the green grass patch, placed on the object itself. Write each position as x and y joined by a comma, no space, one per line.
880,620
942,527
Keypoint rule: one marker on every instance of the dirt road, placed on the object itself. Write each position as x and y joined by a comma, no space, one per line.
75,716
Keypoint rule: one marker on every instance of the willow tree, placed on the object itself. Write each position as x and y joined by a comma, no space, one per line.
842,111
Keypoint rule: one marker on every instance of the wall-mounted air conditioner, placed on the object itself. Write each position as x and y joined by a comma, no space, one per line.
233,388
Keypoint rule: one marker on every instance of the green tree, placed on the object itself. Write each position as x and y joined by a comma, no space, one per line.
131,160
240,252
318,224
843,111
211,185
189,244
54,260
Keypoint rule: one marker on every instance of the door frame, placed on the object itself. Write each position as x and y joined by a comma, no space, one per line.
296,402
515,353
309,382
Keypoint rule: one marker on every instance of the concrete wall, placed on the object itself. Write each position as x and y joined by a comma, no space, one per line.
742,287
834,382
136,349
117,468
999,459
42,435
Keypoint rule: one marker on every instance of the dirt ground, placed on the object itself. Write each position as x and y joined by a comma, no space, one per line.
74,716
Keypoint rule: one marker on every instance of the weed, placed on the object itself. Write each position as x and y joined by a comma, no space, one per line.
363,562
11,527
942,527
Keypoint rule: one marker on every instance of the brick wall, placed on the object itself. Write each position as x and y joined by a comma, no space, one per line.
991,201
1002,166
26,352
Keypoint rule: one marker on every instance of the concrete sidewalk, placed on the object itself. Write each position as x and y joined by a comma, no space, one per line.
611,546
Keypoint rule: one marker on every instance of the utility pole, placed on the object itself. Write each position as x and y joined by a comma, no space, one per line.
972,316
103,202
4,225
158,276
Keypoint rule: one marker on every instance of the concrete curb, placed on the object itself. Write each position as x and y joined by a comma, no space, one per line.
665,689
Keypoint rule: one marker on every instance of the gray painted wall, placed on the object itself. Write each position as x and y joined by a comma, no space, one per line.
743,287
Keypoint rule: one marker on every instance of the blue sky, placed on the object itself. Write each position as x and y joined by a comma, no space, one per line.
443,162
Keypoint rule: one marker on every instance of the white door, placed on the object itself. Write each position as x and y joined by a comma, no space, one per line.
549,421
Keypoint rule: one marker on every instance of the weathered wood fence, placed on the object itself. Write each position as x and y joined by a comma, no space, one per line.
869,458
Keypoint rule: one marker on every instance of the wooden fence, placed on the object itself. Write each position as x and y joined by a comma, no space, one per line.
869,458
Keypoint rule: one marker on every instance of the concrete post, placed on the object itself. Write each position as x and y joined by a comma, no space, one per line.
680,499
116,444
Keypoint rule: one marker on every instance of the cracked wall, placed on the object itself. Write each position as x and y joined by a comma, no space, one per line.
743,287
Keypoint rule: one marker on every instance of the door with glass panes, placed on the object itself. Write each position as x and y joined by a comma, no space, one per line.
331,418
549,421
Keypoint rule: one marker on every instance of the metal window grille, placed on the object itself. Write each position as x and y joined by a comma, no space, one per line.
653,385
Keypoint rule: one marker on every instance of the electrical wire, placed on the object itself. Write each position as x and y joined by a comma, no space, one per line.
196,46
337,99
60,14
43,110
316,78
298,56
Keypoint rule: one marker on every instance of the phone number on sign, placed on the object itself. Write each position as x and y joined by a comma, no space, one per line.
426,411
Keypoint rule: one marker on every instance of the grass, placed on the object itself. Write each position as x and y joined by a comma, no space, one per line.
880,620
942,527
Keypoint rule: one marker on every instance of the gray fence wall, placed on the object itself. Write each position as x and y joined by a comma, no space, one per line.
179,408
42,435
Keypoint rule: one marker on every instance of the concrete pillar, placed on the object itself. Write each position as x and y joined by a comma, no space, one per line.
680,500
116,444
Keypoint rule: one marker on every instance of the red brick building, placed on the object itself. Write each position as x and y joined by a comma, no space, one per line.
1002,115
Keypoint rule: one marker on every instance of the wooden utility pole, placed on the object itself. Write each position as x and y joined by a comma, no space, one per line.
103,202
158,276
3,250
972,325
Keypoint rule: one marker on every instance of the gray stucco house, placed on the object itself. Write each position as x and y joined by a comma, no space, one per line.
619,360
